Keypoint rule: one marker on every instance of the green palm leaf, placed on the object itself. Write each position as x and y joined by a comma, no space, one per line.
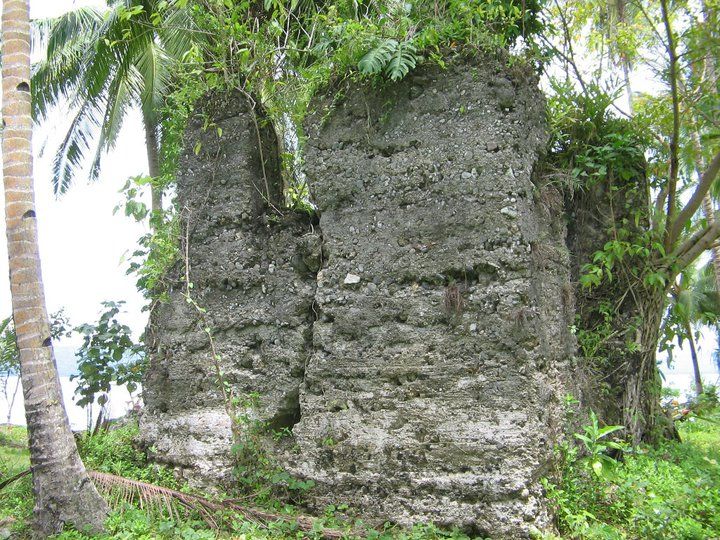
104,63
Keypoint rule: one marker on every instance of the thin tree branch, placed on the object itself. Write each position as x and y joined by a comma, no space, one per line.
568,41
704,243
674,138
695,201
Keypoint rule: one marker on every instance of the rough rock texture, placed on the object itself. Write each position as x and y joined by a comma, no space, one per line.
433,386
421,368
252,271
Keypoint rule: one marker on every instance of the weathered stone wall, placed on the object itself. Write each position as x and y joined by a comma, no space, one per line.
421,368
437,351
251,269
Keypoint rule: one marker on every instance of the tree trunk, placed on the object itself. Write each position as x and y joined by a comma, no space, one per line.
628,87
694,357
624,58
63,492
709,16
641,398
152,147
714,250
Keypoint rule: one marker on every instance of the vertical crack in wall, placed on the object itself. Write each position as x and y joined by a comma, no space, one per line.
307,262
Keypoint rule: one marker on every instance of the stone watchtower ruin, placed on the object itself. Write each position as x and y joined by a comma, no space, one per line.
412,337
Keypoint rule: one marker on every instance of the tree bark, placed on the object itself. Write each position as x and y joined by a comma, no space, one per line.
624,58
714,250
63,492
152,147
694,357
641,397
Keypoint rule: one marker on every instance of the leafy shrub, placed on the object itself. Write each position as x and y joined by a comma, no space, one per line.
107,355
709,399
672,491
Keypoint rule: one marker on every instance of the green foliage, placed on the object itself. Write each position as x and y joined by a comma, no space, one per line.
116,451
672,491
9,364
104,62
16,501
391,57
591,142
283,52
9,358
158,249
107,355
596,443
693,303
709,400
592,341
135,524
605,153
255,469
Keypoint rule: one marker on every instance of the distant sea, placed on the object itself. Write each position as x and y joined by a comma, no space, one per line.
119,403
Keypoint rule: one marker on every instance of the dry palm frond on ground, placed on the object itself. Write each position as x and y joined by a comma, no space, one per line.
119,491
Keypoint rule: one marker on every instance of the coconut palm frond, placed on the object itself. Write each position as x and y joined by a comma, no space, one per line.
154,70
119,492
12,479
68,27
117,101
64,41
178,32
74,146
103,63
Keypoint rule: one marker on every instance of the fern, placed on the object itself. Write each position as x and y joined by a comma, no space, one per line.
404,58
394,58
378,57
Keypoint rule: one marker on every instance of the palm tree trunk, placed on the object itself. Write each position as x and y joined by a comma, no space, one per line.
693,355
63,492
708,15
152,147
715,249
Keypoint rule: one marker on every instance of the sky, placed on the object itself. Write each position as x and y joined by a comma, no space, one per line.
83,246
